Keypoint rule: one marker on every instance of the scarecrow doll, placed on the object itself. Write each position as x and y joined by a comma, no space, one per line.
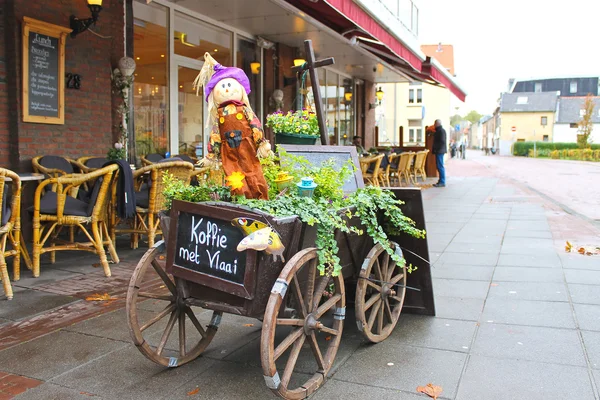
236,136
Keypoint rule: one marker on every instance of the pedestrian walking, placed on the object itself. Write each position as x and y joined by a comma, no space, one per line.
439,149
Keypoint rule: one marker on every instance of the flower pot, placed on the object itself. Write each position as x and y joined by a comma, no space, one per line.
292,138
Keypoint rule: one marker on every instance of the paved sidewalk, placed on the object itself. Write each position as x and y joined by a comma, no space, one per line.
517,318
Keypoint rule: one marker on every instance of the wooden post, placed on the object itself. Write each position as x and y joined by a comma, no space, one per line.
311,64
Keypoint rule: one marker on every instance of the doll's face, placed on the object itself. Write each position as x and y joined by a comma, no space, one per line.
228,89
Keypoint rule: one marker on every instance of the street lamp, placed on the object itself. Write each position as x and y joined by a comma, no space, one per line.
81,25
379,97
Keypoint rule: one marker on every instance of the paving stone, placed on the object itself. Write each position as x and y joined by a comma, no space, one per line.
13,385
485,260
532,343
127,374
528,234
521,274
483,239
54,354
31,302
464,272
503,379
525,249
460,288
529,243
412,366
443,227
584,294
588,316
49,391
338,390
529,291
525,312
528,225
582,276
490,216
591,341
433,332
226,381
458,308
547,260
482,248
48,275
577,261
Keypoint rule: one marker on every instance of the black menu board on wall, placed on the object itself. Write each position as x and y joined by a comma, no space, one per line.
43,72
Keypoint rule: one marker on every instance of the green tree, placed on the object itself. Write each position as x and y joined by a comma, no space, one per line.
455,120
473,117
586,125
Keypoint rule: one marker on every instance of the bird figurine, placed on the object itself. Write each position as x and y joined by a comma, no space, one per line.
259,237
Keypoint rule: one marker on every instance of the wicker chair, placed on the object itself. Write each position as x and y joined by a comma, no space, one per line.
391,171
53,210
92,163
405,167
150,159
384,172
150,199
419,168
371,178
10,231
55,166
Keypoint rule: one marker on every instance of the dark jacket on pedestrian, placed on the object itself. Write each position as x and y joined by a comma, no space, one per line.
439,141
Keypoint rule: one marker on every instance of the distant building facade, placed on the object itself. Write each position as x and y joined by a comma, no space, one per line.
570,111
567,87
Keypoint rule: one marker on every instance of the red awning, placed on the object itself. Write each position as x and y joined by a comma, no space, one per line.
431,70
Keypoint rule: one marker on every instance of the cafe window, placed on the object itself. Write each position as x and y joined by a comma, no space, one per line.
193,38
150,91
248,59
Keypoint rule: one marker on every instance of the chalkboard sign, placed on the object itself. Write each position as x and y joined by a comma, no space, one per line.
43,72
340,154
208,245
204,249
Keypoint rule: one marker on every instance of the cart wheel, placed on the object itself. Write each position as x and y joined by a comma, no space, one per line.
379,294
311,327
150,281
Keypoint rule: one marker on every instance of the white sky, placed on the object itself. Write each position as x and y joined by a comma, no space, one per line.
496,40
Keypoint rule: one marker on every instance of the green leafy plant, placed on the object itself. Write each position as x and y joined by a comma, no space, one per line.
176,189
301,122
117,152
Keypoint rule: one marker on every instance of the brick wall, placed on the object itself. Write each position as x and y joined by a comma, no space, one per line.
90,118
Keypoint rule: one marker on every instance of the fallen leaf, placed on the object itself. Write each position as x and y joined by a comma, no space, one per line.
328,338
248,325
96,265
100,297
88,394
161,257
430,390
581,250
493,284
193,392
569,247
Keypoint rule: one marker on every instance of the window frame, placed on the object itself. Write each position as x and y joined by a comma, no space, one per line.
571,85
544,120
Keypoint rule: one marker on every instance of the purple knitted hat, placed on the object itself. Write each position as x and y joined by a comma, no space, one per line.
222,72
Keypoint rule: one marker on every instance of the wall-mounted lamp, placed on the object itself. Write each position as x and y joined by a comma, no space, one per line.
298,62
348,96
82,25
379,97
255,68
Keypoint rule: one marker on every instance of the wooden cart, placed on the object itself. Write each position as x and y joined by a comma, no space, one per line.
302,312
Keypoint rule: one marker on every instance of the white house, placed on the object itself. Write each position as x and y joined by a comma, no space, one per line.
570,111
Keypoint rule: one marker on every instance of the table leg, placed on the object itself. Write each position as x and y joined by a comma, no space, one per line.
25,254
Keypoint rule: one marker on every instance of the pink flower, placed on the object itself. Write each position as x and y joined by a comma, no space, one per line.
118,146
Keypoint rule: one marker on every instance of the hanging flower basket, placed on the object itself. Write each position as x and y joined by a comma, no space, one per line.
298,127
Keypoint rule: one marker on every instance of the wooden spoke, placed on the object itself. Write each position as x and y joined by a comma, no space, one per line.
327,305
385,266
155,296
168,309
325,329
299,297
291,362
374,313
182,333
314,345
372,301
311,288
380,317
167,332
397,279
290,321
373,285
388,310
191,344
287,342
195,321
163,275
310,283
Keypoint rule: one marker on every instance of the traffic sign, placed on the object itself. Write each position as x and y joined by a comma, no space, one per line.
514,129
